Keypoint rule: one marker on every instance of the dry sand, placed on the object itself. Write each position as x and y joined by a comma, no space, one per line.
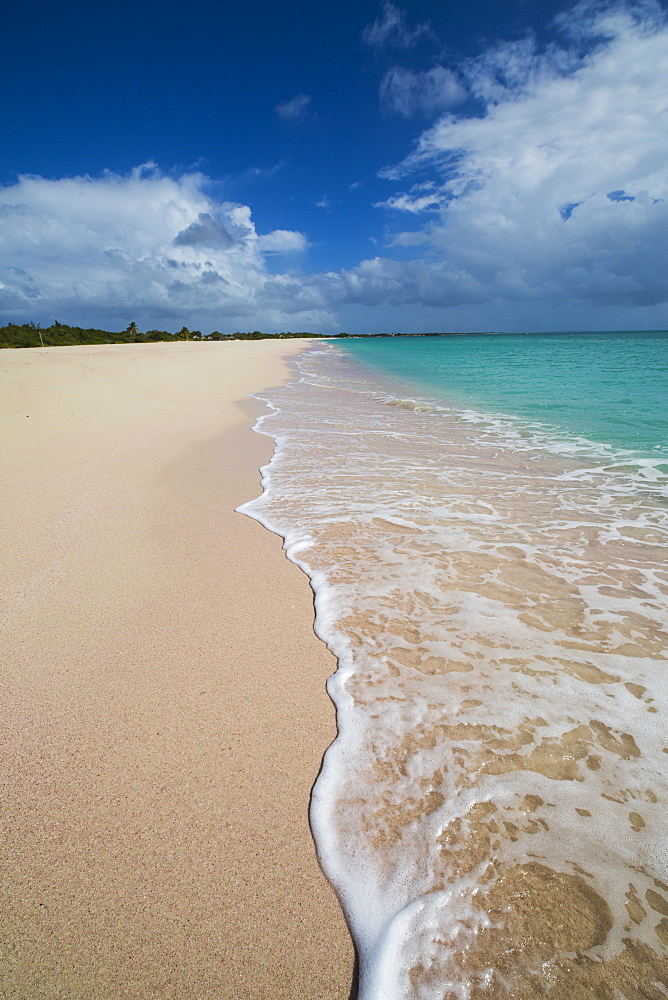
162,698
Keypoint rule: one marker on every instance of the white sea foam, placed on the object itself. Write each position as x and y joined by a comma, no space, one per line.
492,813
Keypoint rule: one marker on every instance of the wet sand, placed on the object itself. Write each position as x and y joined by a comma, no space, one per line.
162,701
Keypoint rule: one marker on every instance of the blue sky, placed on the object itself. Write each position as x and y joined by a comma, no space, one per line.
360,166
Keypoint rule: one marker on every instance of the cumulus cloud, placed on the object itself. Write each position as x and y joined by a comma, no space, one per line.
413,94
557,191
298,108
391,30
144,246
282,241
544,206
206,232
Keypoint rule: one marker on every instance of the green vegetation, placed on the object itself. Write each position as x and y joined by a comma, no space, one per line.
61,335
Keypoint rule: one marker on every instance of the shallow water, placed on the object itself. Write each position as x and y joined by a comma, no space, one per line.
493,811
611,388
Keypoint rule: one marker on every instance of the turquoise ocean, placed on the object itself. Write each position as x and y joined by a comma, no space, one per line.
609,388
484,520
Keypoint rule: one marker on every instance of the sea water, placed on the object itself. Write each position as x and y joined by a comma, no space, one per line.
484,522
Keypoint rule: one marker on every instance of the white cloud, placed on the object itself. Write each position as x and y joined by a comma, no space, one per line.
411,94
558,191
391,30
546,208
418,238
606,19
282,241
424,197
148,247
296,109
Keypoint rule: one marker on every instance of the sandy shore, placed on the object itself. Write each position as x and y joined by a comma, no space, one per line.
162,704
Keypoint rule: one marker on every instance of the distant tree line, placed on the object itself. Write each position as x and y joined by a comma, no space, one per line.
62,335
